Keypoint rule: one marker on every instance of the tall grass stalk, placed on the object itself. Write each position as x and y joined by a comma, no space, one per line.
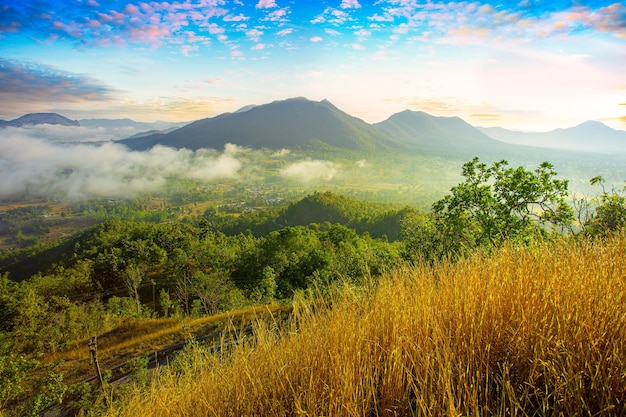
524,332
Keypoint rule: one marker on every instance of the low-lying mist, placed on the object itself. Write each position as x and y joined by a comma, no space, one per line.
38,163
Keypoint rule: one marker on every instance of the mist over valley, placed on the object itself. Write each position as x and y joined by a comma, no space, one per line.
410,157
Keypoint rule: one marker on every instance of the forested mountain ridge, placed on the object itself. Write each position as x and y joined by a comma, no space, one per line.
291,123
377,219
299,123
320,209
421,129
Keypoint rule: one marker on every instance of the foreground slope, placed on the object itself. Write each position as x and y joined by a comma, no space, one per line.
528,331
292,123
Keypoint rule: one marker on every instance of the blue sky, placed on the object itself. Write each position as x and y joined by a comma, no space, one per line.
525,64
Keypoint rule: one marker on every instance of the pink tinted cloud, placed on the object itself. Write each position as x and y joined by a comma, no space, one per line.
154,23
150,34
132,10
350,4
33,82
186,49
266,4
254,34
238,18
192,37
277,15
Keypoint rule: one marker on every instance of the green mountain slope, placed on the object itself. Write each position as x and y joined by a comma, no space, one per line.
437,134
295,123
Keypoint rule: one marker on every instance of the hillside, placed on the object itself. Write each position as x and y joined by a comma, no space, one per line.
520,332
295,123
433,133
376,219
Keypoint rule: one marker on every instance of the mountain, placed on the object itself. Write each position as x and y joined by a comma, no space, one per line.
40,119
590,136
437,134
291,123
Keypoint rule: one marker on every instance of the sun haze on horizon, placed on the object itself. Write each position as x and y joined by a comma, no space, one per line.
518,64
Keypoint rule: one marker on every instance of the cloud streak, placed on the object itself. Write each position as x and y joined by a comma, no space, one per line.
36,82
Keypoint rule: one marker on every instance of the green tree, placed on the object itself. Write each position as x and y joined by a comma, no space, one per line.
14,370
267,285
496,203
610,212
212,290
132,277
9,301
181,268
165,301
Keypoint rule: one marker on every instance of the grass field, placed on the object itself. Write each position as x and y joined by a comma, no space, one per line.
136,338
534,331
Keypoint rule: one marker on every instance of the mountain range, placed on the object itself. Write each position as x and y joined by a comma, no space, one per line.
590,136
96,130
40,119
306,124
298,123
292,123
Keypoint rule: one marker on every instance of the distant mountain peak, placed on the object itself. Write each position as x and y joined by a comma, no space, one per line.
592,124
589,136
245,108
41,119
292,123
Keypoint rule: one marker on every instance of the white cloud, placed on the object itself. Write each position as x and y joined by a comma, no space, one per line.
282,152
310,170
214,29
238,18
315,39
254,34
75,171
350,4
338,17
362,34
186,49
277,15
285,32
266,4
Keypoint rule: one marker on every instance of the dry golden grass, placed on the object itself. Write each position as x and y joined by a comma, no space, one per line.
134,338
536,331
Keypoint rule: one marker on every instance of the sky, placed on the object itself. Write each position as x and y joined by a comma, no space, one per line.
523,64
